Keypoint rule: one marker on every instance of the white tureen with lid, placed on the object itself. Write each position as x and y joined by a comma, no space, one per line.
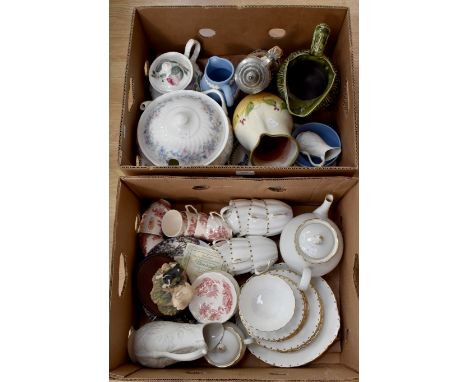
185,128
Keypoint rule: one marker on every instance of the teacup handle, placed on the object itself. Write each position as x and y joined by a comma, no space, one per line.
321,33
181,357
265,268
188,47
218,214
215,242
221,97
223,210
193,209
248,341
305,279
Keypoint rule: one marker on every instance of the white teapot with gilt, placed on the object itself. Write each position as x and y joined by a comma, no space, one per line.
311,244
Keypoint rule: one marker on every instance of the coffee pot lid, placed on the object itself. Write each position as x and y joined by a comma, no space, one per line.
252,76
316,240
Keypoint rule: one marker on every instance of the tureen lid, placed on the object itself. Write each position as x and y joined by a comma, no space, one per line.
184,127
316,240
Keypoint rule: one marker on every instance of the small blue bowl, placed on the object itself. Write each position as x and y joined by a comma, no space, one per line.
328,134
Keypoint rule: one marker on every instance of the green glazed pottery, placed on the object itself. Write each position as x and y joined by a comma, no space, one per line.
307,80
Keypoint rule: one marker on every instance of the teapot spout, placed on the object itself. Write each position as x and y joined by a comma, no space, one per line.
322,211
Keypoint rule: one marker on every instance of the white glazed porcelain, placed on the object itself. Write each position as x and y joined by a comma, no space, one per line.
265,217
151,219
314,348
149,228
311,144
263,127
254,254
161,343
175,71
297,320
174,223
230,349
266,303
185,128
312,244
215,297
312,324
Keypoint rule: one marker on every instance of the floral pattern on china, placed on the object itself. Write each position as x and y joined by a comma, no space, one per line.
171,72
184,128
215,298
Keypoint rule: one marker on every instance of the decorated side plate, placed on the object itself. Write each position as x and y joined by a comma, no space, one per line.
215,297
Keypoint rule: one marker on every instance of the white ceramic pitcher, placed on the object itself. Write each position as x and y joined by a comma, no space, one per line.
161,343
311,144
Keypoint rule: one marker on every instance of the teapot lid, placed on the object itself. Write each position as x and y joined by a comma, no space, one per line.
316,240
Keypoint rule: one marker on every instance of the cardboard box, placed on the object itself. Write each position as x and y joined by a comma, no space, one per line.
338,363
239,31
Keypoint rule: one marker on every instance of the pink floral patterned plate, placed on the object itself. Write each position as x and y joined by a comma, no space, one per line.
215,297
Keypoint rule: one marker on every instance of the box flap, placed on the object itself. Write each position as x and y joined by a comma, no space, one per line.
348,210
314,373
208,189
121,275
346,105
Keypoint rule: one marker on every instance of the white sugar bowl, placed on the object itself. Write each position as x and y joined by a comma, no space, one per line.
311,244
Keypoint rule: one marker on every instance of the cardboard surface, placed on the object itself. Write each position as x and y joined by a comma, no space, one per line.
239,30
338,363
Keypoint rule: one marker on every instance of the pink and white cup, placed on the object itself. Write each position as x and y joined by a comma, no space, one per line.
174,223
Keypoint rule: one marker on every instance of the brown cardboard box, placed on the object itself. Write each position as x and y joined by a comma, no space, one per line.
338,363
239,30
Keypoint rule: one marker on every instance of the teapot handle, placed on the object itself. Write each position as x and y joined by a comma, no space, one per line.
188,47
321,33
181,357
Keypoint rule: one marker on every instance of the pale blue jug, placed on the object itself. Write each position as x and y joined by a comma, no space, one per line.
219,74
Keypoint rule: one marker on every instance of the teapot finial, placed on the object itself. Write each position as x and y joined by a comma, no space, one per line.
322,211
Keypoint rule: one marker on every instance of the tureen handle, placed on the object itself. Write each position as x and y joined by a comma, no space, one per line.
144,105
221,97
188,47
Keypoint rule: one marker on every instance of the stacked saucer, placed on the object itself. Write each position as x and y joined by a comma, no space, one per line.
289,327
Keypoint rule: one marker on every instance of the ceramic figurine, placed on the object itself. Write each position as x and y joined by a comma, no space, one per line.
263,127
307,80
171,291
253,74
160,343
219,75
